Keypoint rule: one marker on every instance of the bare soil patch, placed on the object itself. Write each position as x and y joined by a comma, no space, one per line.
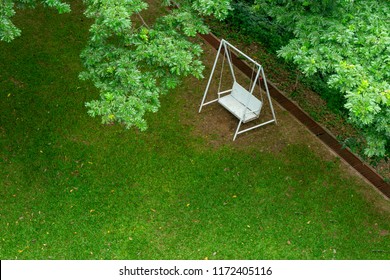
285,78
217,126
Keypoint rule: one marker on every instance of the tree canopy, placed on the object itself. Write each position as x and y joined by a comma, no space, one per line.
348,43
8,31
132,63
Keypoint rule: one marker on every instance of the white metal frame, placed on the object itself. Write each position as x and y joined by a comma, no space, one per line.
226,46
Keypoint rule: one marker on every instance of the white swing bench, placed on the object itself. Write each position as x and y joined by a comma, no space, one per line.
241,103
237,100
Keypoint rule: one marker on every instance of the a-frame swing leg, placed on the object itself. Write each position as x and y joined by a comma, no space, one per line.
268,95
211,77
251,128
242,118
237,130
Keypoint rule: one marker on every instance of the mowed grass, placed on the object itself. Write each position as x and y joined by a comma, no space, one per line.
74,189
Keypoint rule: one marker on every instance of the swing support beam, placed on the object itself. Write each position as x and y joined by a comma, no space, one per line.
239,101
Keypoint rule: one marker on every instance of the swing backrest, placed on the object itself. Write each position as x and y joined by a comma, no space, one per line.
246,98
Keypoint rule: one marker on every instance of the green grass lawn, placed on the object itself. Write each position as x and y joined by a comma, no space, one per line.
74,189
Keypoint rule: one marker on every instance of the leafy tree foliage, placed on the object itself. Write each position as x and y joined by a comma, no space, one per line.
130,62
8,31
348,42
133,64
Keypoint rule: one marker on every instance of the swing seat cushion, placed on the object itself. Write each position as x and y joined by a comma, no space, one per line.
241,103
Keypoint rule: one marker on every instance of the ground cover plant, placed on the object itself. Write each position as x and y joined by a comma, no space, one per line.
71,188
